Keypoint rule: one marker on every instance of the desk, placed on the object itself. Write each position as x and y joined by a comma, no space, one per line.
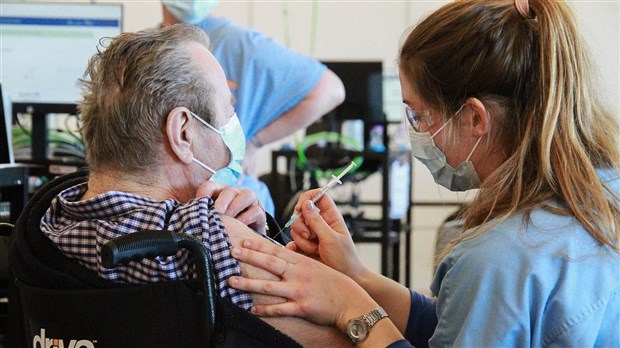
14,187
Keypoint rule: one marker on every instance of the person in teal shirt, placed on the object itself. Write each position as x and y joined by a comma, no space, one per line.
500,98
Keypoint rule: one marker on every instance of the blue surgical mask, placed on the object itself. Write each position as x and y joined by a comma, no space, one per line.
461,178
232,135
190,11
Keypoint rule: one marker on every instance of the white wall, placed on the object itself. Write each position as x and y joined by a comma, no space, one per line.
368,30
372,30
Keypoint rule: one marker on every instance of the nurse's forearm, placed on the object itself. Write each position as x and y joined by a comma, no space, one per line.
392,296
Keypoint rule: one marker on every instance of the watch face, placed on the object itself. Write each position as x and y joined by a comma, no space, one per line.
357,330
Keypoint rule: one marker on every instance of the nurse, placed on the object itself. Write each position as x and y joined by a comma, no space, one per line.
499,96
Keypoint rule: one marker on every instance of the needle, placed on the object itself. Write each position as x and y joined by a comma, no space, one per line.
335,180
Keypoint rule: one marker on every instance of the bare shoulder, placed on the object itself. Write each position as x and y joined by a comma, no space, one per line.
237,231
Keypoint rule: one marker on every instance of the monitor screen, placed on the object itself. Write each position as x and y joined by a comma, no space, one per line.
363,83
45,48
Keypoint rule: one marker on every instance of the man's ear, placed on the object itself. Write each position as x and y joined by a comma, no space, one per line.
479,116
179,134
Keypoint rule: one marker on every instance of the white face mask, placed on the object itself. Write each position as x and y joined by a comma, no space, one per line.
461,178
232,135
190,11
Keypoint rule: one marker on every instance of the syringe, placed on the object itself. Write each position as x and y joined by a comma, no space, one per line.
335,180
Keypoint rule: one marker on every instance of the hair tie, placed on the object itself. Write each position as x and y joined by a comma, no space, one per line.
523,7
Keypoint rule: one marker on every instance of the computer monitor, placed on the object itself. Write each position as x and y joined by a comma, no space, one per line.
354,119
45,48
363,104
363,83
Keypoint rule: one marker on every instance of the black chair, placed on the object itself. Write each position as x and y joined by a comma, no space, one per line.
56,301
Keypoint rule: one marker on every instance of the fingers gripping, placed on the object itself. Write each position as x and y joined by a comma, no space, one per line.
314,220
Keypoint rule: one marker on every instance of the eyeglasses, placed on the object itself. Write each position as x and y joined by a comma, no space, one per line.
417,121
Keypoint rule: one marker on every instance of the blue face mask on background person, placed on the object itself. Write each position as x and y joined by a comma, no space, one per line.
190,11
461,178
232,135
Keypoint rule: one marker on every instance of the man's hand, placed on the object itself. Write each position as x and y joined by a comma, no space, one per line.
241,204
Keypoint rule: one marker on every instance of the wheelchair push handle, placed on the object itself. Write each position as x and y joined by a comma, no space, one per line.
152,243
138,246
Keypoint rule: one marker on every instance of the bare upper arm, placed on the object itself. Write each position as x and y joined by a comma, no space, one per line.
303,331
237,232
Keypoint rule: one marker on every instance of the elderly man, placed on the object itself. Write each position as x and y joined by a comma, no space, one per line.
162,141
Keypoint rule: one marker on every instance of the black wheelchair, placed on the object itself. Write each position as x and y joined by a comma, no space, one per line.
55,302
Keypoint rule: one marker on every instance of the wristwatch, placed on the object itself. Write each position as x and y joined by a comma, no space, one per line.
357,329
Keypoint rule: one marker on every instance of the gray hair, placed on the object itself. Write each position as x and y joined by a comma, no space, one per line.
133,84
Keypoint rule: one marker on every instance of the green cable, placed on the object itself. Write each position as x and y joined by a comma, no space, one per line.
20,136
302,162
72,133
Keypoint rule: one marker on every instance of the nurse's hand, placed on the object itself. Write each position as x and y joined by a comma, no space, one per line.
321,233
242,204
314,291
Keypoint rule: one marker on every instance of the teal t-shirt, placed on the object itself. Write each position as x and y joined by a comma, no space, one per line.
537,282
265,77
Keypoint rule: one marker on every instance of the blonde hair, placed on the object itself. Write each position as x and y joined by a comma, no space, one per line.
134,83
552,126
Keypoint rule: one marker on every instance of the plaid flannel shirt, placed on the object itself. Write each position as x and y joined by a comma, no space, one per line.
81,228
